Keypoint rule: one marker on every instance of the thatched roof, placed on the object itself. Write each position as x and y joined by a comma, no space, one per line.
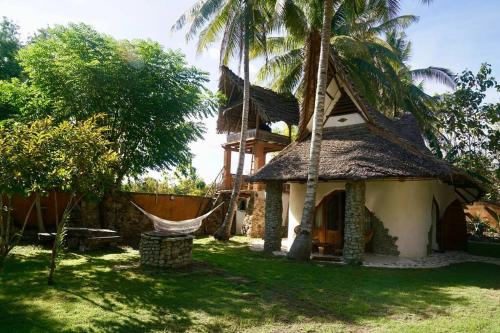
268,105
381,148
356,152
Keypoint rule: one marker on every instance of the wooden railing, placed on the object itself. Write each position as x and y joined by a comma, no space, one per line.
261,135
229,185
214,186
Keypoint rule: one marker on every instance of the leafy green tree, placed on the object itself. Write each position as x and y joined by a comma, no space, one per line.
188,182
408,95
151,100
184,181
148,185
21,101
40,156
470,128
9,46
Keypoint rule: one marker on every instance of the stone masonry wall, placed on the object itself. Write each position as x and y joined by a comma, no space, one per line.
117,213
256,218
165,251
354,239
89,214
382,241
273,216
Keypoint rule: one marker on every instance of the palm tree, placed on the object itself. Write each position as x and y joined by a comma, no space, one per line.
241,24
301,247
412,97
356,27
356,30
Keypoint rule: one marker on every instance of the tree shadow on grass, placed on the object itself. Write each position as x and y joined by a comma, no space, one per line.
229,288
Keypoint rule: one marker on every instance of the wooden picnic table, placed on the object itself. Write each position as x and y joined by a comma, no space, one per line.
84,239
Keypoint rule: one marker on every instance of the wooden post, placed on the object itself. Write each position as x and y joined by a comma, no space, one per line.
226,183
259,160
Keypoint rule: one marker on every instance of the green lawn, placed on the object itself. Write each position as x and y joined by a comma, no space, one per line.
484,249
232,289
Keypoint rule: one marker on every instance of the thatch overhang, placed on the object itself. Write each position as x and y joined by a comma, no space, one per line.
266,106
358,152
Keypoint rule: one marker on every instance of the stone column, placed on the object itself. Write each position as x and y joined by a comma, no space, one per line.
354,238
273,216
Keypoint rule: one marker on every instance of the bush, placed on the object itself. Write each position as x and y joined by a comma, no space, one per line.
478,226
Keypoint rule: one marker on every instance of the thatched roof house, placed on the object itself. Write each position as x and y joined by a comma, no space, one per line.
412,198
266,106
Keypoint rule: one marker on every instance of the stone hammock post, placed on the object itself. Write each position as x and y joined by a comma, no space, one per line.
273,216
354,238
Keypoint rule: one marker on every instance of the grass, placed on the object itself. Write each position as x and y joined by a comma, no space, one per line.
484,249
230,289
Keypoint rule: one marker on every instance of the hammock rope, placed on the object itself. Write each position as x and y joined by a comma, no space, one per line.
176,227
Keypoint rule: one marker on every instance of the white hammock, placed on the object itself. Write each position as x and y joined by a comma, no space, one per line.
176,227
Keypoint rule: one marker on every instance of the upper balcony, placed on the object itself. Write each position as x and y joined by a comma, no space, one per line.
273,141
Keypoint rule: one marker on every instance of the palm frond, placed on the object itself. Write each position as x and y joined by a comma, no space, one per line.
438,74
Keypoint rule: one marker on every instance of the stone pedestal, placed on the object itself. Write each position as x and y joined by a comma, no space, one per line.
165,251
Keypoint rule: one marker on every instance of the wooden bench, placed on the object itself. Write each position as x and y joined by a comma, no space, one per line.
46,237
83,239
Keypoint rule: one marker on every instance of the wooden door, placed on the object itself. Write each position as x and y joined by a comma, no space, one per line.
329,220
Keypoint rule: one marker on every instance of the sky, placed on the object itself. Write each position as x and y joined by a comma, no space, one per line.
456,34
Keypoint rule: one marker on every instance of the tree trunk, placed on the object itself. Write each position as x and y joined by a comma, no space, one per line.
58,243
301,247
39,216
3,242
224,231
60,234
56,208
7,243
312,49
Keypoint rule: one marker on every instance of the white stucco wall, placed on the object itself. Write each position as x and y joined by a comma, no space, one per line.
344,120
285,198
405,208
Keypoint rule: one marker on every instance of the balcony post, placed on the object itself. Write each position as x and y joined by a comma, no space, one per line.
259,160
227,169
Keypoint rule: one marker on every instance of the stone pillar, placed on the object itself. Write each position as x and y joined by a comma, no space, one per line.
273,216
354,238
164,251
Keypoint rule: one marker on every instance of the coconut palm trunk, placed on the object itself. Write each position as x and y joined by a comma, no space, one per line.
301,247
312,50
224,231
